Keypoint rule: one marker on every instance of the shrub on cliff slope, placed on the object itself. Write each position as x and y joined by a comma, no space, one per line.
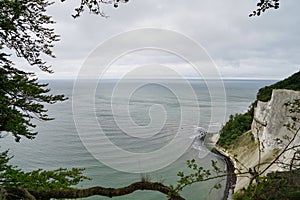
276,185
236,126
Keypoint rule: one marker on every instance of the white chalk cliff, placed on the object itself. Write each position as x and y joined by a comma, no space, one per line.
271,118
268,127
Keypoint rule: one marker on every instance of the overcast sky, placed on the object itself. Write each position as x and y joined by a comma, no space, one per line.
241,47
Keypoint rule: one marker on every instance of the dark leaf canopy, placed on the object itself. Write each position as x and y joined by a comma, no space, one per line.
22,98
264,5
24,28
95,6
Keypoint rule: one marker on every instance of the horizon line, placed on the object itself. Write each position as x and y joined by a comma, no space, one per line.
168,78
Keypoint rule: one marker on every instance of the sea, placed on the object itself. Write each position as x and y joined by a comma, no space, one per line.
136,129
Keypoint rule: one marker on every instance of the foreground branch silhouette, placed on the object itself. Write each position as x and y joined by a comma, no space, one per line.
21,193
196,174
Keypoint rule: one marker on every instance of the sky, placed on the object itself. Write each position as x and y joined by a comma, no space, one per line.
265,47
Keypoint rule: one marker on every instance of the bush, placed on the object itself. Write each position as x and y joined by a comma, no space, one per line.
276,185
236,126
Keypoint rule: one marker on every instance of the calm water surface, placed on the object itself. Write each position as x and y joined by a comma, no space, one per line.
58,144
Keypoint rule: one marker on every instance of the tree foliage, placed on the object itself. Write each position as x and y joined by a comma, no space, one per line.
95,6
24,28
276,185
45,185
198,174
291,83
235,127
264,5
11,176
22,98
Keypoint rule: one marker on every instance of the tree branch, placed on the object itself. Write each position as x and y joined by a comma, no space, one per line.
282,152
102,191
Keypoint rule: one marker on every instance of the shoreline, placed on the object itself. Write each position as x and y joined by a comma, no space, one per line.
230,168
231,177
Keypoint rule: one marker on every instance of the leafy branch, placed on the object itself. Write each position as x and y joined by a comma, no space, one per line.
199,174
95,6
264,5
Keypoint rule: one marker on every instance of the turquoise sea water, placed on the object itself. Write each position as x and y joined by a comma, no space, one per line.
58,143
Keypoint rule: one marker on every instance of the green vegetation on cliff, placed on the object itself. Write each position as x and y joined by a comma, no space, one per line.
291,83
240,123
235,127
276,185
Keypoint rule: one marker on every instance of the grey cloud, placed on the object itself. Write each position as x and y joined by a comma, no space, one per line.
241,46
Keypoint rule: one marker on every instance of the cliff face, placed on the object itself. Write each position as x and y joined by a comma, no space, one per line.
269,128
271,118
